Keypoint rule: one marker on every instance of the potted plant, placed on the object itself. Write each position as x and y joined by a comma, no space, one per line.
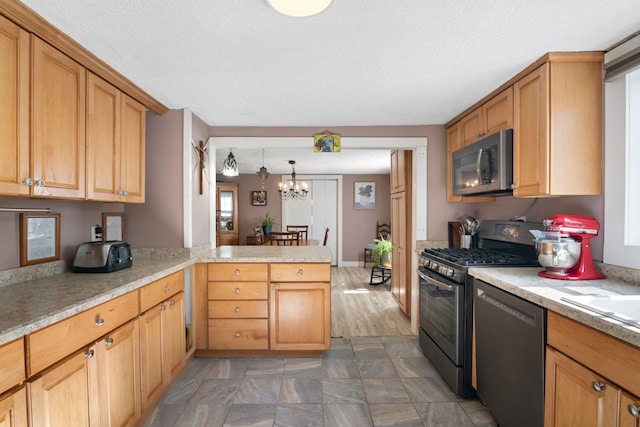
267,222
382,252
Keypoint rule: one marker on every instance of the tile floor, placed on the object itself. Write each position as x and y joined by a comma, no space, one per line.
383,381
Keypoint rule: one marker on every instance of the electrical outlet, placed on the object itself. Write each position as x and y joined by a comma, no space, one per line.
96,233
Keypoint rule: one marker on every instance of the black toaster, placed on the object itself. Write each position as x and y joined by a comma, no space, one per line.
102,257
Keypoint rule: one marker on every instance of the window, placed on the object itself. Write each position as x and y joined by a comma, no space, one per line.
622,173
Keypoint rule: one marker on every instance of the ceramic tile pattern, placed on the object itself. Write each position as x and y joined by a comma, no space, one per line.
370,381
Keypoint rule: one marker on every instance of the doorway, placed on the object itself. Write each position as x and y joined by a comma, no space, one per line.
319,211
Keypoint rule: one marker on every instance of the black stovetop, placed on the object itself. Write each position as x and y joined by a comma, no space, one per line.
478,257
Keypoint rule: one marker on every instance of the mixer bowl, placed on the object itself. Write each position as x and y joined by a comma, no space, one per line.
558,256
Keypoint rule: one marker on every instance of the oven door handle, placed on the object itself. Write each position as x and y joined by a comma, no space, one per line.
435,283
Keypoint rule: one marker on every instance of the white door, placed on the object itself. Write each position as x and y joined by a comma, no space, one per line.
319,211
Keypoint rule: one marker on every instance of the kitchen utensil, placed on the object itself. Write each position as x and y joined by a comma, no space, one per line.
465,241
568,258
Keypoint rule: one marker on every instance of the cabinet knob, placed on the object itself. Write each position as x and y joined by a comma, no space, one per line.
597,386
89,354
125,193
634,410
172,303
163,307
481,133
237,272
237,335
28,182
99,321
237,310
167,288
237,291
109,342
39,183
300,272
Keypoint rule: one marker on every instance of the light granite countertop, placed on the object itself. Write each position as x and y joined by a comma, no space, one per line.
34,304
525,283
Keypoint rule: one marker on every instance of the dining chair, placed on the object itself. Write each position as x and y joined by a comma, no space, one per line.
284,238
259,235
303,230
326,236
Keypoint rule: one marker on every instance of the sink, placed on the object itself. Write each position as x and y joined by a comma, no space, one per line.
624,308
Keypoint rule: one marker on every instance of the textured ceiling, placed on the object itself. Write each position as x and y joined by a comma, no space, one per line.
359,63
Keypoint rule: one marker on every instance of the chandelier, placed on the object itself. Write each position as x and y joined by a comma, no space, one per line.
230,166
294,192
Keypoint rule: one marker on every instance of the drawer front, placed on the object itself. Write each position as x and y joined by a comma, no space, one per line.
301,272
59,340
158,291
238,334
238,309
237,291
237,272
11,364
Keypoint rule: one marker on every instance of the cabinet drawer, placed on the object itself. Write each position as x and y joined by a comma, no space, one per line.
238,334
158,291
238,309
11,364
59,340
301,272
236,291
238,272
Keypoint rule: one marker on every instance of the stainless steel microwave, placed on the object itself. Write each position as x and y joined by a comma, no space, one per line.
484,167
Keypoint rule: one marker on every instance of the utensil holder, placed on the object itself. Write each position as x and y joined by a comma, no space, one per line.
465,241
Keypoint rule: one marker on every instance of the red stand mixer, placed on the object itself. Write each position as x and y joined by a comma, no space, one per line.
569,258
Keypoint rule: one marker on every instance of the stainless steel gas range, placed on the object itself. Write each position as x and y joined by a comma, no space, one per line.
446,296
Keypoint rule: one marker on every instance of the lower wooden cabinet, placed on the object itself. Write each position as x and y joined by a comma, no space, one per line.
162,346
13,409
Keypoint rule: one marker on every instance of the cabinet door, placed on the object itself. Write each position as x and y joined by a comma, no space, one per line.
14,109
174,334
576,396
531,134
68,394
398,172
152,371
103,140
471,127
300,316
57,123
13,409
132,151
399,283
629,411
119,376
498,112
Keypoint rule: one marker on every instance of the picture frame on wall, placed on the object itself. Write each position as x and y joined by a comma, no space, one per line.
258,198
364,195
39,238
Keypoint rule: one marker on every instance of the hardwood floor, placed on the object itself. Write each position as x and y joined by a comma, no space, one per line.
360,310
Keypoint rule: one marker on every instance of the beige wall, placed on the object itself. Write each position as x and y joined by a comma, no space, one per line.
200,202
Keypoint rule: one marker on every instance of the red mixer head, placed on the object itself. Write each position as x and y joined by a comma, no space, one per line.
573,225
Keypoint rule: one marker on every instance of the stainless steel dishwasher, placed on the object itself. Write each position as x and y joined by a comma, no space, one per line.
510,347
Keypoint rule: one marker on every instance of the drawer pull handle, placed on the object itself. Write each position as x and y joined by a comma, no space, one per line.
597,386
237,272
237,309
634,410
237,335
172,303
89,354
237,291
167,288
300,272
99,321
163,307
109,342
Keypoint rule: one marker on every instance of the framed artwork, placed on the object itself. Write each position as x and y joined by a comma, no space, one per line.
258,198
112,226
326,142
364,195
39,238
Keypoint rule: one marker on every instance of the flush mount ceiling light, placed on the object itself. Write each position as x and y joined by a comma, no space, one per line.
230,166
299,8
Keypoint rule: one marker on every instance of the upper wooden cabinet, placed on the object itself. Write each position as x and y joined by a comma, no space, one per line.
557,123
14,109
492,116
58,86
115,144
399,166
